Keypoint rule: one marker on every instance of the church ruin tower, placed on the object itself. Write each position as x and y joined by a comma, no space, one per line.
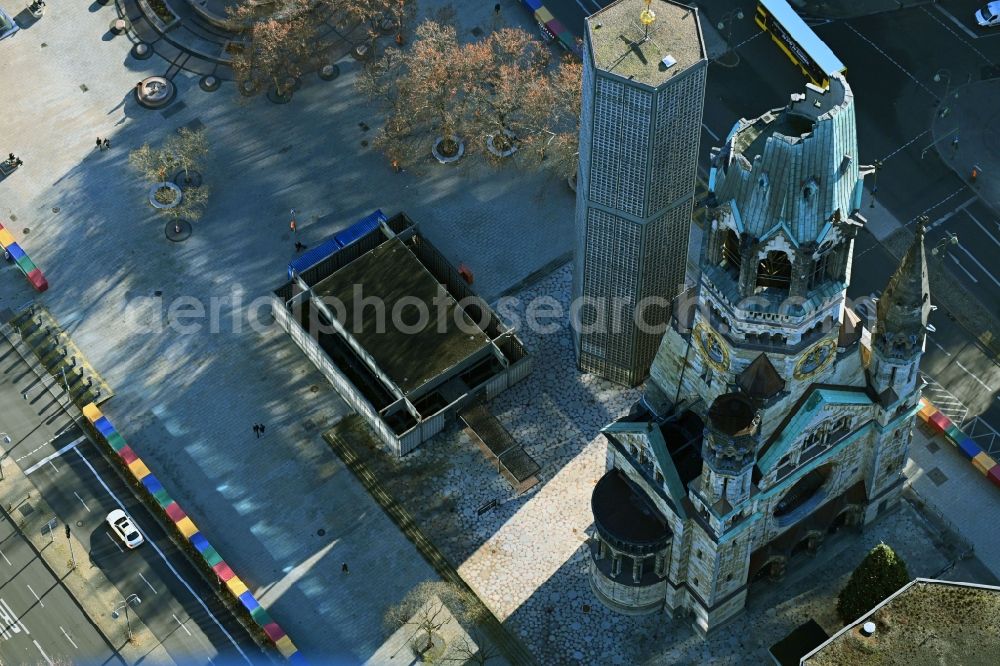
771,417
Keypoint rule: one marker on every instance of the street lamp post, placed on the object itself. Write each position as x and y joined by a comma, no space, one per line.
725,24
944,73
878,167
126,602
950,238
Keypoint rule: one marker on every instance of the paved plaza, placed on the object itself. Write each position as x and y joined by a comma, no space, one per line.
528,558
282,509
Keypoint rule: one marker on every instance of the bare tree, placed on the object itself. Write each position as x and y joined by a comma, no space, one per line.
499,92
182,151
510,98
279,44
431,605
473,649
423,90
379,17
561,148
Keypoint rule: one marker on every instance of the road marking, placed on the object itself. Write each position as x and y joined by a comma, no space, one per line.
147,583
947,353
981,267
68,638
955,211
954,20
81,501
905,145
5,559
710,132
36,596
182,625
117,545
50,457
959,264
170,566
749,39
932,207
889,58
964,29
586,11
56,469
966,370
10,619
44,656
978,224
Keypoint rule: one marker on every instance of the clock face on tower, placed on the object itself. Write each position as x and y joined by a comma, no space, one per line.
711,347
817,359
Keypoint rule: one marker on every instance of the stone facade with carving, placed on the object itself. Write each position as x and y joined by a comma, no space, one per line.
772,417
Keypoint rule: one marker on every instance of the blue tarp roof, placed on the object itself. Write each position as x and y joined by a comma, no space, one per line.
340,239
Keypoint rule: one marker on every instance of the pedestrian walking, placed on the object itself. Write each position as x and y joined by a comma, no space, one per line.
256,430
299,246
344,569
292,225
954,144
107,144
99,143
261,429
496,8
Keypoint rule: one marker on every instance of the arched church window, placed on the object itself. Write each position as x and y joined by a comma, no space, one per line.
774,271
731,255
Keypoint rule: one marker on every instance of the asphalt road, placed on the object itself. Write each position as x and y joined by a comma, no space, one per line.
67,470
39,621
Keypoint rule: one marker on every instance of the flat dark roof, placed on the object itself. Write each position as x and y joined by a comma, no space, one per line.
392,272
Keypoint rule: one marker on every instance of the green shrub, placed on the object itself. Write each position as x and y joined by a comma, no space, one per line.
881,573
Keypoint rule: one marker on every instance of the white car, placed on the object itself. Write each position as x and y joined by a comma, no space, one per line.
989,15
123,527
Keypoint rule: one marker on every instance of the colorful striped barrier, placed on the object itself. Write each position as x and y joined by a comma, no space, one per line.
981,460
23,261
551,26
187,528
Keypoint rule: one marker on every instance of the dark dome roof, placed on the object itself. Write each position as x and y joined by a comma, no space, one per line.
732,414
624,514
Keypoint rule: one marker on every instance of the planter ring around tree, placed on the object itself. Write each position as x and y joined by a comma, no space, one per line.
502,152
275,98
329,71
166,185
191,179
141,50
177,230
447,159
249,88
209,83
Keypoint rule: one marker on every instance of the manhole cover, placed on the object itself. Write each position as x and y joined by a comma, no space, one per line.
314,389
937,476
321,532
83,87
933,447
79,523
26,230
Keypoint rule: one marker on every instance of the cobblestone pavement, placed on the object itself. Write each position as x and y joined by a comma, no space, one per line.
282,509
527,559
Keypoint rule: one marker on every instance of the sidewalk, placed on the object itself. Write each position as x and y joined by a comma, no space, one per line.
85,583
969,113
945,481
